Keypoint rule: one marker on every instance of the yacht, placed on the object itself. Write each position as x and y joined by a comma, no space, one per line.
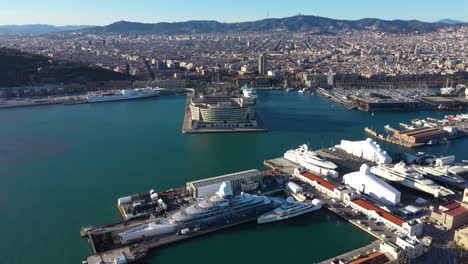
303,155
116,95
288,210
442,174
249,92
219,208
447,90
407,176
301,90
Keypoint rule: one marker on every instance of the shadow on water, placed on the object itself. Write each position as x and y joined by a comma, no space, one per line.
301,230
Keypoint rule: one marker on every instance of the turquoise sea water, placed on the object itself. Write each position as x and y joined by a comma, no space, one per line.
63,167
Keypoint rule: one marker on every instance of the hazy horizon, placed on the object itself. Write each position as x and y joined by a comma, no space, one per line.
99,13
149,22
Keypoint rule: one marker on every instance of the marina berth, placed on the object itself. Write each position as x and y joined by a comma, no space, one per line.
364,181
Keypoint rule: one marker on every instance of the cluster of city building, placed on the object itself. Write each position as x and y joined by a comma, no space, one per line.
359,53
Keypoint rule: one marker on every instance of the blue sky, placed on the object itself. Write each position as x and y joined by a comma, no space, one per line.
102,12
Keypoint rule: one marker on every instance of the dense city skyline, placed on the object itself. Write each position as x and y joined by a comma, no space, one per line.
106,12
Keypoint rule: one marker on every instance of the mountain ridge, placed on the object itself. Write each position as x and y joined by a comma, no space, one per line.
300,23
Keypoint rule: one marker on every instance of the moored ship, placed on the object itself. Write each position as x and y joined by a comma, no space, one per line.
219,208
124,94
444,174
288,210
249,92
304,154
407,176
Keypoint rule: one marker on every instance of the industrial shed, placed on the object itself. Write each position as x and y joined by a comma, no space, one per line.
239,181
421,135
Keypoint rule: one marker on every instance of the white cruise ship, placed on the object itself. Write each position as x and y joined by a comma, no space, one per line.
289,210
303,155
218,208
407,176
249,92
116,95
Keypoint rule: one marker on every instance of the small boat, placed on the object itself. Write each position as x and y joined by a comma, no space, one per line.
301,90
448,108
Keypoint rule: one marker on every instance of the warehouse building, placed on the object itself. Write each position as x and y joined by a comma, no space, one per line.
421,135
239,182
451,215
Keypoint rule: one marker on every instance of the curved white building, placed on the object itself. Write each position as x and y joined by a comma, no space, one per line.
367,149
223,111
366,182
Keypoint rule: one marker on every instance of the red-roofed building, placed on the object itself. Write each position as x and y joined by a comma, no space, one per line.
378,257
319,183
319,180
390,217
412,228
451,215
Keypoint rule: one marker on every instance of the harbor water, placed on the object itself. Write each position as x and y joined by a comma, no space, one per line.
62,168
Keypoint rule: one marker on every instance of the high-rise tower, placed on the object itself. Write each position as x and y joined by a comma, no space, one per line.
262,64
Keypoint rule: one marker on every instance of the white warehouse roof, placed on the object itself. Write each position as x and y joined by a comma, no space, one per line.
364,181
367,149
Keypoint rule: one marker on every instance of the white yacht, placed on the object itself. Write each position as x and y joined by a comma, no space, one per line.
407,176
116,95
249,92
216,209
443,173
301,90
288,210
303,155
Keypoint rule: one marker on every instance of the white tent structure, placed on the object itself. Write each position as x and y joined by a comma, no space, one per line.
366,182
367,149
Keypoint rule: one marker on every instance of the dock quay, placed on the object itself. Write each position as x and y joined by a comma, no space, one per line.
391,129
428,131
366,250
392,140
406,126
337,98
388,223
